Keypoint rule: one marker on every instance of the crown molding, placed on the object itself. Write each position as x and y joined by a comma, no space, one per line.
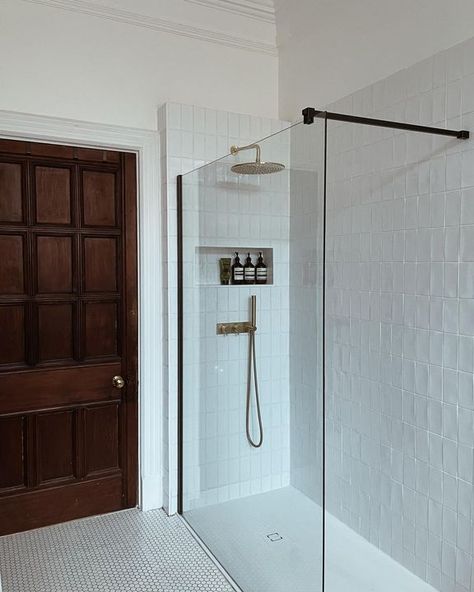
261,10
158,24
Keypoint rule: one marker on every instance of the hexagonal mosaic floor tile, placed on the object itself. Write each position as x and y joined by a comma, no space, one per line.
129,551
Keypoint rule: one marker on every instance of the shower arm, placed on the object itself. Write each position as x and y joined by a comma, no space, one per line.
236,149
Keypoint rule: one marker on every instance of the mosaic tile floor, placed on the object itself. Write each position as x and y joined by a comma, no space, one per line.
127,551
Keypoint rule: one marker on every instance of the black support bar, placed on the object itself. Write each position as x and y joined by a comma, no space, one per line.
179,209
310,113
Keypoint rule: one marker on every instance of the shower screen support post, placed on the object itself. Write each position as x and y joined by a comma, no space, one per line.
309,114
180,360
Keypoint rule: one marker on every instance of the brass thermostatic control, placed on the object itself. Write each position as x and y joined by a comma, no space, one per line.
234,328
118,382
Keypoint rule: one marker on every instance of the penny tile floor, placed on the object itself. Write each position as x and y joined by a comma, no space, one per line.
128,551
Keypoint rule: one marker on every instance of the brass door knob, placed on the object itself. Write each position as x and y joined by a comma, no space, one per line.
118,382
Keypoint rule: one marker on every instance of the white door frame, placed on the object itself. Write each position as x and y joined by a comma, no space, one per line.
145,144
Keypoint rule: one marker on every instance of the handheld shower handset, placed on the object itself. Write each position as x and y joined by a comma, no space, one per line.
252,364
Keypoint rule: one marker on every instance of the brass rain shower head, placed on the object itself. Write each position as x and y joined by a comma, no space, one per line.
257,167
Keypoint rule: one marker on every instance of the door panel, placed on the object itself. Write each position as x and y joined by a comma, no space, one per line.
52,388
12,324
12,249
103,211
101,329
55,331
53,195
12,434
11,190
102,426
55,437
54,264
68,322
100,264
84,497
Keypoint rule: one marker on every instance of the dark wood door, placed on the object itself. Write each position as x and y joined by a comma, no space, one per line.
68,325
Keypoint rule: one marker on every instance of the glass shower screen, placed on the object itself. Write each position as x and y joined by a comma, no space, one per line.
257,509
398,362
357,348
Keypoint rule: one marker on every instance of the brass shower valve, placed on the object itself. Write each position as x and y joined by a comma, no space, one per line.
235,328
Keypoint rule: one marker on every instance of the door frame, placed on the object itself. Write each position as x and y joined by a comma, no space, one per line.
145,144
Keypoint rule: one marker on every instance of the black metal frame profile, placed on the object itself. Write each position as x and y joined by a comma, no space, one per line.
310,113
179,208
323,359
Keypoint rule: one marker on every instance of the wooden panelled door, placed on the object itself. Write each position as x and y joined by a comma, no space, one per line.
68,333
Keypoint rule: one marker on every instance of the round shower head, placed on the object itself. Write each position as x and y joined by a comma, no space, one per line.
257,168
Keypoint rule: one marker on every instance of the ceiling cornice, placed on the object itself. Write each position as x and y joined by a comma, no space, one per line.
158,24
256,9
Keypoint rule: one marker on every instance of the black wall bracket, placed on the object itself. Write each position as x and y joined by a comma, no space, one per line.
310,113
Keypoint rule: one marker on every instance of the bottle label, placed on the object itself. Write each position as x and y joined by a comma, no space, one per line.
238,274
249,273
261,273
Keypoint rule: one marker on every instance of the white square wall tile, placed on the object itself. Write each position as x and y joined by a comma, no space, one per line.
466,317
467,243
468,169
428,287
467,206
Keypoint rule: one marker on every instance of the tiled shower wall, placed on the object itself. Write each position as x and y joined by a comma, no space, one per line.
220,212
224,210
400,302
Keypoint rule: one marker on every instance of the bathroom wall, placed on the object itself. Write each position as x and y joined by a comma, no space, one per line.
330,49
400,324
223,211
115,61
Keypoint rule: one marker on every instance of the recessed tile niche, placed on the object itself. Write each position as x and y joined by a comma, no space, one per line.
207,263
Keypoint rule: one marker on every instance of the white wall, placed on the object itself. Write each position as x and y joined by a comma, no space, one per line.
74,65
330,48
